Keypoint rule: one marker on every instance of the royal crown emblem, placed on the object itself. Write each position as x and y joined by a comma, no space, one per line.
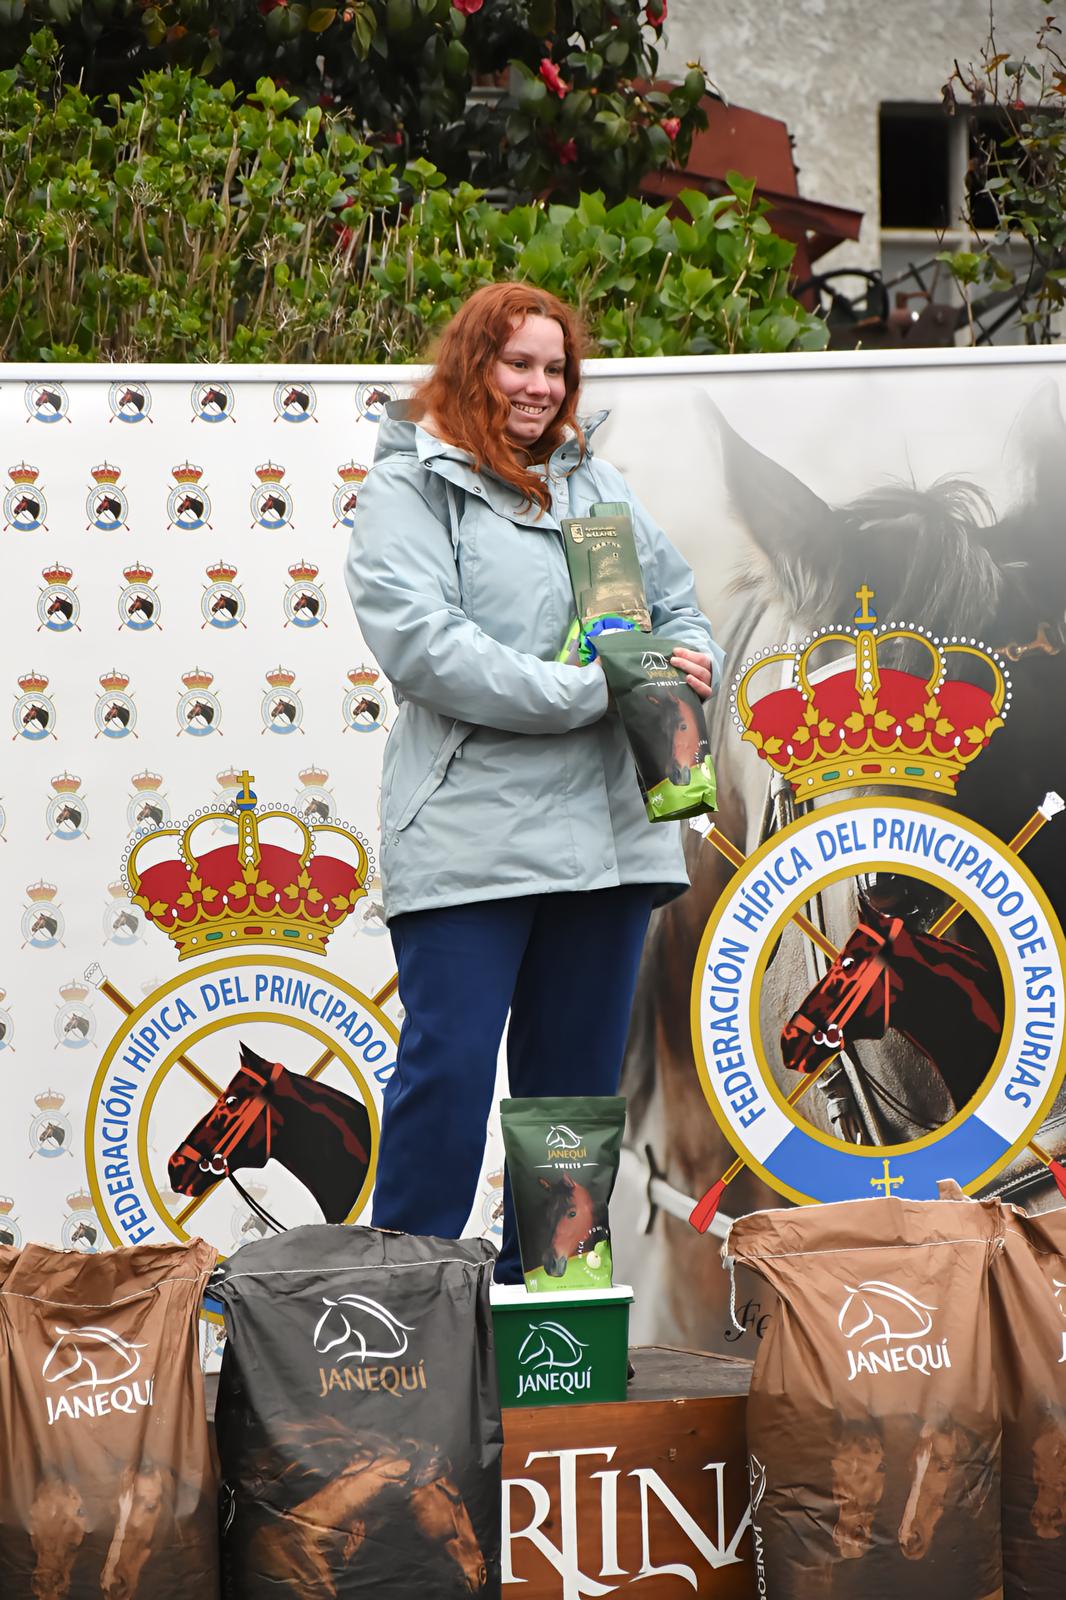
351,472
7,1205
282,882
117,889
57,573
313,777
303,572
33,683
80,1200
860,722
49,1100
222,572
187,473
281,677
74,992
363,677
198,678
230,779
269,472
114,682
23,474
66,783
146,782
41,892
106,473
138,573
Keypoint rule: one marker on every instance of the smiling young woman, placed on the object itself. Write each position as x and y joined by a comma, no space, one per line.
518,866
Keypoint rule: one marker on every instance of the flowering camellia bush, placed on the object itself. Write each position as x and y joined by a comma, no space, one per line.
519,96
182,223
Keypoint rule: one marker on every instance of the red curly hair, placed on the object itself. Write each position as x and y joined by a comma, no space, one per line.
461,396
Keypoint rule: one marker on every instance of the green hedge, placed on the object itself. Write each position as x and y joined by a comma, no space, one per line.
182,225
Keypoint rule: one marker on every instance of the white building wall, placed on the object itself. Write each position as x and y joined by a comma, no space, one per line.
825,66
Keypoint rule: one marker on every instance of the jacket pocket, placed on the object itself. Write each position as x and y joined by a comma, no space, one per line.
427,779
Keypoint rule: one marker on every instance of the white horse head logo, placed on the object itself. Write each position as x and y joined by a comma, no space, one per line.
756,1484
560,1137
890,1313
103,1357
549,1344
353,1321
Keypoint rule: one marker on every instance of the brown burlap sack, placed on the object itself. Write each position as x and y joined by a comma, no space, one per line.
873,1422
106,1483
1029,1345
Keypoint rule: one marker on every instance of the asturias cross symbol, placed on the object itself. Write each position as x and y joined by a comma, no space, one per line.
888,1182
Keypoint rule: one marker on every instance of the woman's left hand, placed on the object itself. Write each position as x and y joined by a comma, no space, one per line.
698,670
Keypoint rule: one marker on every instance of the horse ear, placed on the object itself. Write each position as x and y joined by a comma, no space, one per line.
544,1183
1029,535
794,529
249,1057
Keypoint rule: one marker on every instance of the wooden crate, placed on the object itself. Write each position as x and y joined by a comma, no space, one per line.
647,1495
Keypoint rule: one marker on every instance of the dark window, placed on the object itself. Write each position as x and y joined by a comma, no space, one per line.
915,180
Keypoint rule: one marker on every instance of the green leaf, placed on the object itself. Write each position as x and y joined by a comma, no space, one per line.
321,18
399,16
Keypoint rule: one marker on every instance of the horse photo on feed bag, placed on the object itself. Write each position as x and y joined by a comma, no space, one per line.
562,1161
873,1412
358,1418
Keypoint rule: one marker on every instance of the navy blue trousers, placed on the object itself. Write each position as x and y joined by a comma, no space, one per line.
566,967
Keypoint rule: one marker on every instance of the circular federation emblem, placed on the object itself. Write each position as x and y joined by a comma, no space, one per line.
188,507
67,816
58,608
346,494
25,506
10,1232
82,1232
33,715
75,1026
106,507
282,709
305,603
129,402
7,1026
271,505
212,401
199,713
50,1130
139,607
42,926
294,402
47,401
115,715
365,708
372,398
178,1101
222,606
977,872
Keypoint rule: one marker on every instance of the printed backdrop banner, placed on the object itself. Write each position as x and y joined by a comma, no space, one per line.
862,994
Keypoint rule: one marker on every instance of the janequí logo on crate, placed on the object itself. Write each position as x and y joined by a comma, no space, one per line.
94,1372
875,1313
255,1060
552,1361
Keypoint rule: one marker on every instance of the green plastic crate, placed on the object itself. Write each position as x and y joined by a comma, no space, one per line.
561,1349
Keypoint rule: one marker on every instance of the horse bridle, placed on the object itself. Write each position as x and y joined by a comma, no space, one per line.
779,810
243,1121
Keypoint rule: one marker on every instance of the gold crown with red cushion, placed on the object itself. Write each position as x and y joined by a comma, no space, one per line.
856,721
282,882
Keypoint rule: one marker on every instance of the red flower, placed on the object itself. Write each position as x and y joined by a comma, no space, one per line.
671,126
566,153
550,73
656,12
467,7
267,6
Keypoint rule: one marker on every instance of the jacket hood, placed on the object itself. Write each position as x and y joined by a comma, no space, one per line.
400,434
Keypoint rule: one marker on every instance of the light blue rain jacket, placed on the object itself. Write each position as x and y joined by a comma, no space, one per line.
504,773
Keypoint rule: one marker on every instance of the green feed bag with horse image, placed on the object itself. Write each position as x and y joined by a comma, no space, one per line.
562,1159
664,724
